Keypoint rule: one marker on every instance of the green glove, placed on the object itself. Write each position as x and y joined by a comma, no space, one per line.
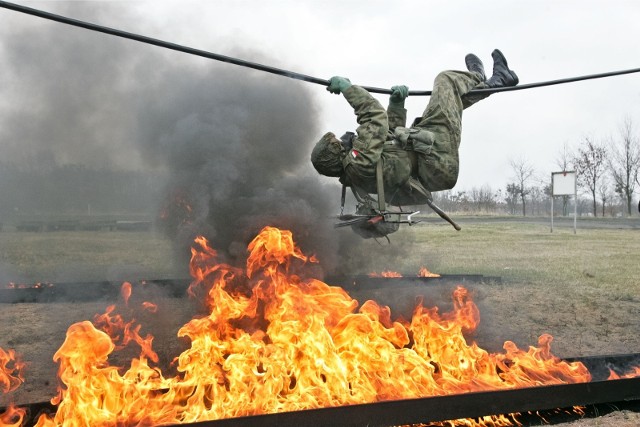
338,85
399,94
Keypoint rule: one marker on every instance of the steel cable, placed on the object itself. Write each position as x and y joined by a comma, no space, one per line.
266,68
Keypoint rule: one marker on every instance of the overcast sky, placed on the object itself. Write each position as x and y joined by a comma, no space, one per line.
376,43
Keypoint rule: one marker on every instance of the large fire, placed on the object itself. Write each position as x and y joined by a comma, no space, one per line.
275,341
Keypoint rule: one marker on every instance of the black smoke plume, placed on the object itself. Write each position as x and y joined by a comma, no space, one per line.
233,143
237,144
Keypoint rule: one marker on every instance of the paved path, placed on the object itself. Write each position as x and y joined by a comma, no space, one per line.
564,222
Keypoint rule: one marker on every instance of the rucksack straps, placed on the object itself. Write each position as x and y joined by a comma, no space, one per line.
380,186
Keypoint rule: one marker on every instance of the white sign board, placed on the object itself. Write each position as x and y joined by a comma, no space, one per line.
564,183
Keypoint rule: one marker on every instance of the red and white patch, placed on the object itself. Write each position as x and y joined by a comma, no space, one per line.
354,153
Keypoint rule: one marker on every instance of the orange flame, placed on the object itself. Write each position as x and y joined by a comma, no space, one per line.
12,285
274,341
633,373
386,274
122,333
150,307
11,367
125,290
424,272
12,417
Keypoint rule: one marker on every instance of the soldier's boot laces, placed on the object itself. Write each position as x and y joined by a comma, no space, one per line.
474,65
502,75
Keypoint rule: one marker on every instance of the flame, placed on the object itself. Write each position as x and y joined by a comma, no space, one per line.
150,307
12,417
38,285
11,367
632,373
274,341
125,291
424,272
386,274
121,333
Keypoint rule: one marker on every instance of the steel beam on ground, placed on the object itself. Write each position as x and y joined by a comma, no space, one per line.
442,408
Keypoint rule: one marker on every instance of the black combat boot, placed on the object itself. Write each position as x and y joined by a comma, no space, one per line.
474,65
502,75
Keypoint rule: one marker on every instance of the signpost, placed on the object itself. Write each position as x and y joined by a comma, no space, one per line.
564,184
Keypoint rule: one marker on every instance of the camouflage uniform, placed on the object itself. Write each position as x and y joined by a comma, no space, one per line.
428,151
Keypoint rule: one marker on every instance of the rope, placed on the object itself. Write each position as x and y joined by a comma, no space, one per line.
266,68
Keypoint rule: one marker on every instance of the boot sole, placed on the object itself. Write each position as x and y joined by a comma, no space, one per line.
472,59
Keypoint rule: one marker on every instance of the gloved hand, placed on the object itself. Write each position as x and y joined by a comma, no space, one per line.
399,94
347,140
338,84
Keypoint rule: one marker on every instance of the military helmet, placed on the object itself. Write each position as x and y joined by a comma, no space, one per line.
327,155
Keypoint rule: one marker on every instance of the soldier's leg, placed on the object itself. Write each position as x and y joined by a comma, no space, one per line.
469,99
444,111
439,128
475,65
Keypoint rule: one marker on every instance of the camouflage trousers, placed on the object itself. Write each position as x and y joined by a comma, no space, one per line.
441,127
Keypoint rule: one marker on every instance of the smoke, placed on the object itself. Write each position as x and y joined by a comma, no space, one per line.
66,92
234,143
237,144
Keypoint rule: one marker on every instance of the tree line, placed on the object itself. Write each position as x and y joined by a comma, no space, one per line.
76,189
607,173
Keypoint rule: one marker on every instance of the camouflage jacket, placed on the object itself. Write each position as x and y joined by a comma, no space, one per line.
374,142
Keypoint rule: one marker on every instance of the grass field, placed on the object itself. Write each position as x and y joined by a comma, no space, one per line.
584,288
83,256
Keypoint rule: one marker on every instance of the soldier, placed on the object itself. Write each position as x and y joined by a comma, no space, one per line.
415,160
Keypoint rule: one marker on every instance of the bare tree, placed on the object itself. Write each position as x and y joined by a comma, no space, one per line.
450,200
511,197
483,198
624,162
590,164
537,198
523,172
564,161
604,193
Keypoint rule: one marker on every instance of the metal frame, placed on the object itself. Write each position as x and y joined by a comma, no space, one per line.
432,409
107,290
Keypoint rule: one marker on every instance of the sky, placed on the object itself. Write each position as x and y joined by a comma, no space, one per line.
373,43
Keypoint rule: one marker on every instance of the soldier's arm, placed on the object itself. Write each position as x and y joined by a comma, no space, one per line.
397,116
396,112
372,129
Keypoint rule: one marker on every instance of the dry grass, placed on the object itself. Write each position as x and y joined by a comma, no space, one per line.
604,259
584,289
83,256
523,252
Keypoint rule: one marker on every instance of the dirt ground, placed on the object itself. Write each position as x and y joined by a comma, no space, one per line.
595,323
614,419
